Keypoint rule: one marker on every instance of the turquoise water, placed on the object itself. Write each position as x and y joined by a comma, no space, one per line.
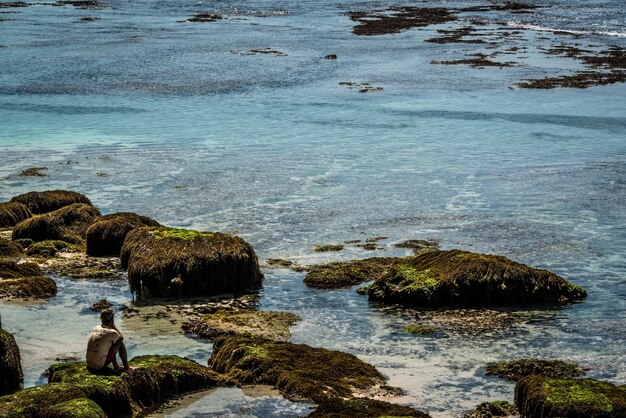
173,120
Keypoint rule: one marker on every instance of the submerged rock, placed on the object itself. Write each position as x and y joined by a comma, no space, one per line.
420,329
48,201
100,305
460,278
11,377
363,408
106,236
9,248
328,247
155,379
540,397
24,280
12,213
298,371
48,248
493,409
170,261
264,324
515,370
398,19
347,273
68,224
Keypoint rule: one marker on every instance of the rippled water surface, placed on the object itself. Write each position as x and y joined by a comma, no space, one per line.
180,122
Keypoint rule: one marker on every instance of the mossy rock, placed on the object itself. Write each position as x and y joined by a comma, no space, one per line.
12,213
51,200
48,248
10,364
540,397
100,305
156,379
492,410
515,370
38,401
264,324
67,224
9,248
328,247
462,279
418,245
170,261
363,408
348,273
298,371
24,242
24,280
77,408
420,329
105,237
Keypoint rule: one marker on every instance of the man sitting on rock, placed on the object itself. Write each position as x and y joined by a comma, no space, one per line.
105,342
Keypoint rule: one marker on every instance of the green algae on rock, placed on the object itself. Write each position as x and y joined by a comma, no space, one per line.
51,200
420,329
540,397
363,408
48,248
264,324
47,401
11,374
155,379
24,280
106,236
67,224
516,369
493,409
328,247
460,278
12,213
347,273
9,248
170,261
298,371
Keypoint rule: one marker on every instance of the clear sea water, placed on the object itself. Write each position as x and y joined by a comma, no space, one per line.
176,121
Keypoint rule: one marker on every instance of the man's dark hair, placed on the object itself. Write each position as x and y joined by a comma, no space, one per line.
106,316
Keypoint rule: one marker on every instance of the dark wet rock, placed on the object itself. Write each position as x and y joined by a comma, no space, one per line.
155,379
328,247
80,4
369,246
192,263
48,248
34,172
352,241
106,236
9,248
347,273
376,239
8,5
330,57
580,80
540,397
298,371
48,201
67,224
493,409
363,408
418,245
460,278
24,281
456,36
263,324
90,19
515,370
54,400
278,263
398,19
508,5
10,364
420,329
12,213
478,61
205,17
100,305
24,242
265,51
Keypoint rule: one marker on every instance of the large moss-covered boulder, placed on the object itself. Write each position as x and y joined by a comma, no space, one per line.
540,397
516,369
105,237
11,377
48,248
348,273
297,370
155,379
170,261
9,248
462,279
51,200
67,224
24,280
264,324
363,408
57,400
12,213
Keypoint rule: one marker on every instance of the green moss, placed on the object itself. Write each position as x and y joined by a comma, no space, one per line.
420,329
363,408
37,401
264,324
77,408
184,234
278,263
328,247
415,280
347,273
493,409
515,370
36,287
575,398
48,248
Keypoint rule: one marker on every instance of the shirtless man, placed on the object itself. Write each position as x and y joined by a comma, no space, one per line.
105,342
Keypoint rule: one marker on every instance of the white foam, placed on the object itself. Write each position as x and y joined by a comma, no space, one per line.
573,32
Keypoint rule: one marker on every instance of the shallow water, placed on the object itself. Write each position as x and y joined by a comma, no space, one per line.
169,119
